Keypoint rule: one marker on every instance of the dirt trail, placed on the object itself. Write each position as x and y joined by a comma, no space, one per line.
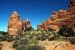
57,45
7,45
49,45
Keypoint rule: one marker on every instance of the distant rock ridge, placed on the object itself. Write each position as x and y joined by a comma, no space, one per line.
60,18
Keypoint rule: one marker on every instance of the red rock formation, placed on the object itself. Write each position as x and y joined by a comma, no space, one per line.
40,27
15,24
62,17
27,24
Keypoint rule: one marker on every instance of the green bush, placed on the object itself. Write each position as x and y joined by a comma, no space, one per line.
6,37
43,35
66,31
37,47
29,29
3,33
26,41
30,47
71,40
9,38
3,37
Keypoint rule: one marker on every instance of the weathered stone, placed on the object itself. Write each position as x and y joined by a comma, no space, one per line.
27,24
15,24
60,18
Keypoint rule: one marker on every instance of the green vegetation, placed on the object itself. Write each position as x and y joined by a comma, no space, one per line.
29,29
27,41
71,40
4,36
66,31
3,33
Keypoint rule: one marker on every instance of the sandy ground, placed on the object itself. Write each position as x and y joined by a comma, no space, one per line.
7,45
57,45
49,45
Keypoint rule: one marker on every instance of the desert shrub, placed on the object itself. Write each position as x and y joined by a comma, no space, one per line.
66,31
9,38
3,33
6,37
53,36
43,35
26,42
21,47
2,37
40,36
37,47
16,44
29,29
29,47
71,40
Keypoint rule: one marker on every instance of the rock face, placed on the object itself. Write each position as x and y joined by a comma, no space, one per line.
60,18
27,25
15,24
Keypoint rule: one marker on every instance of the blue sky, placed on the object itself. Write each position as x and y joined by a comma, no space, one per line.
36,11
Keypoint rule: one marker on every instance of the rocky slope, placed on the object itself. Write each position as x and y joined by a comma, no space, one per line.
60,18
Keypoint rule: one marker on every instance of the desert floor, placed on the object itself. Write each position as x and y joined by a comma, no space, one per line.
49,45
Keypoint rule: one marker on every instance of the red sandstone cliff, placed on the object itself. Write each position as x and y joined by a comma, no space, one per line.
60,18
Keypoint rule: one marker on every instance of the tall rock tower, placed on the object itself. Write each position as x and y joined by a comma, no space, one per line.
15,24
28,25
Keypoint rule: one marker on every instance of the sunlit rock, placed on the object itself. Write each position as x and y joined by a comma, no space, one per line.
15,24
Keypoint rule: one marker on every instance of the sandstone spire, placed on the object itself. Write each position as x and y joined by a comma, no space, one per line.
28,25
15,24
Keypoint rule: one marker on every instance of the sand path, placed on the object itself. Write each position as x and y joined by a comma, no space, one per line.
7,45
